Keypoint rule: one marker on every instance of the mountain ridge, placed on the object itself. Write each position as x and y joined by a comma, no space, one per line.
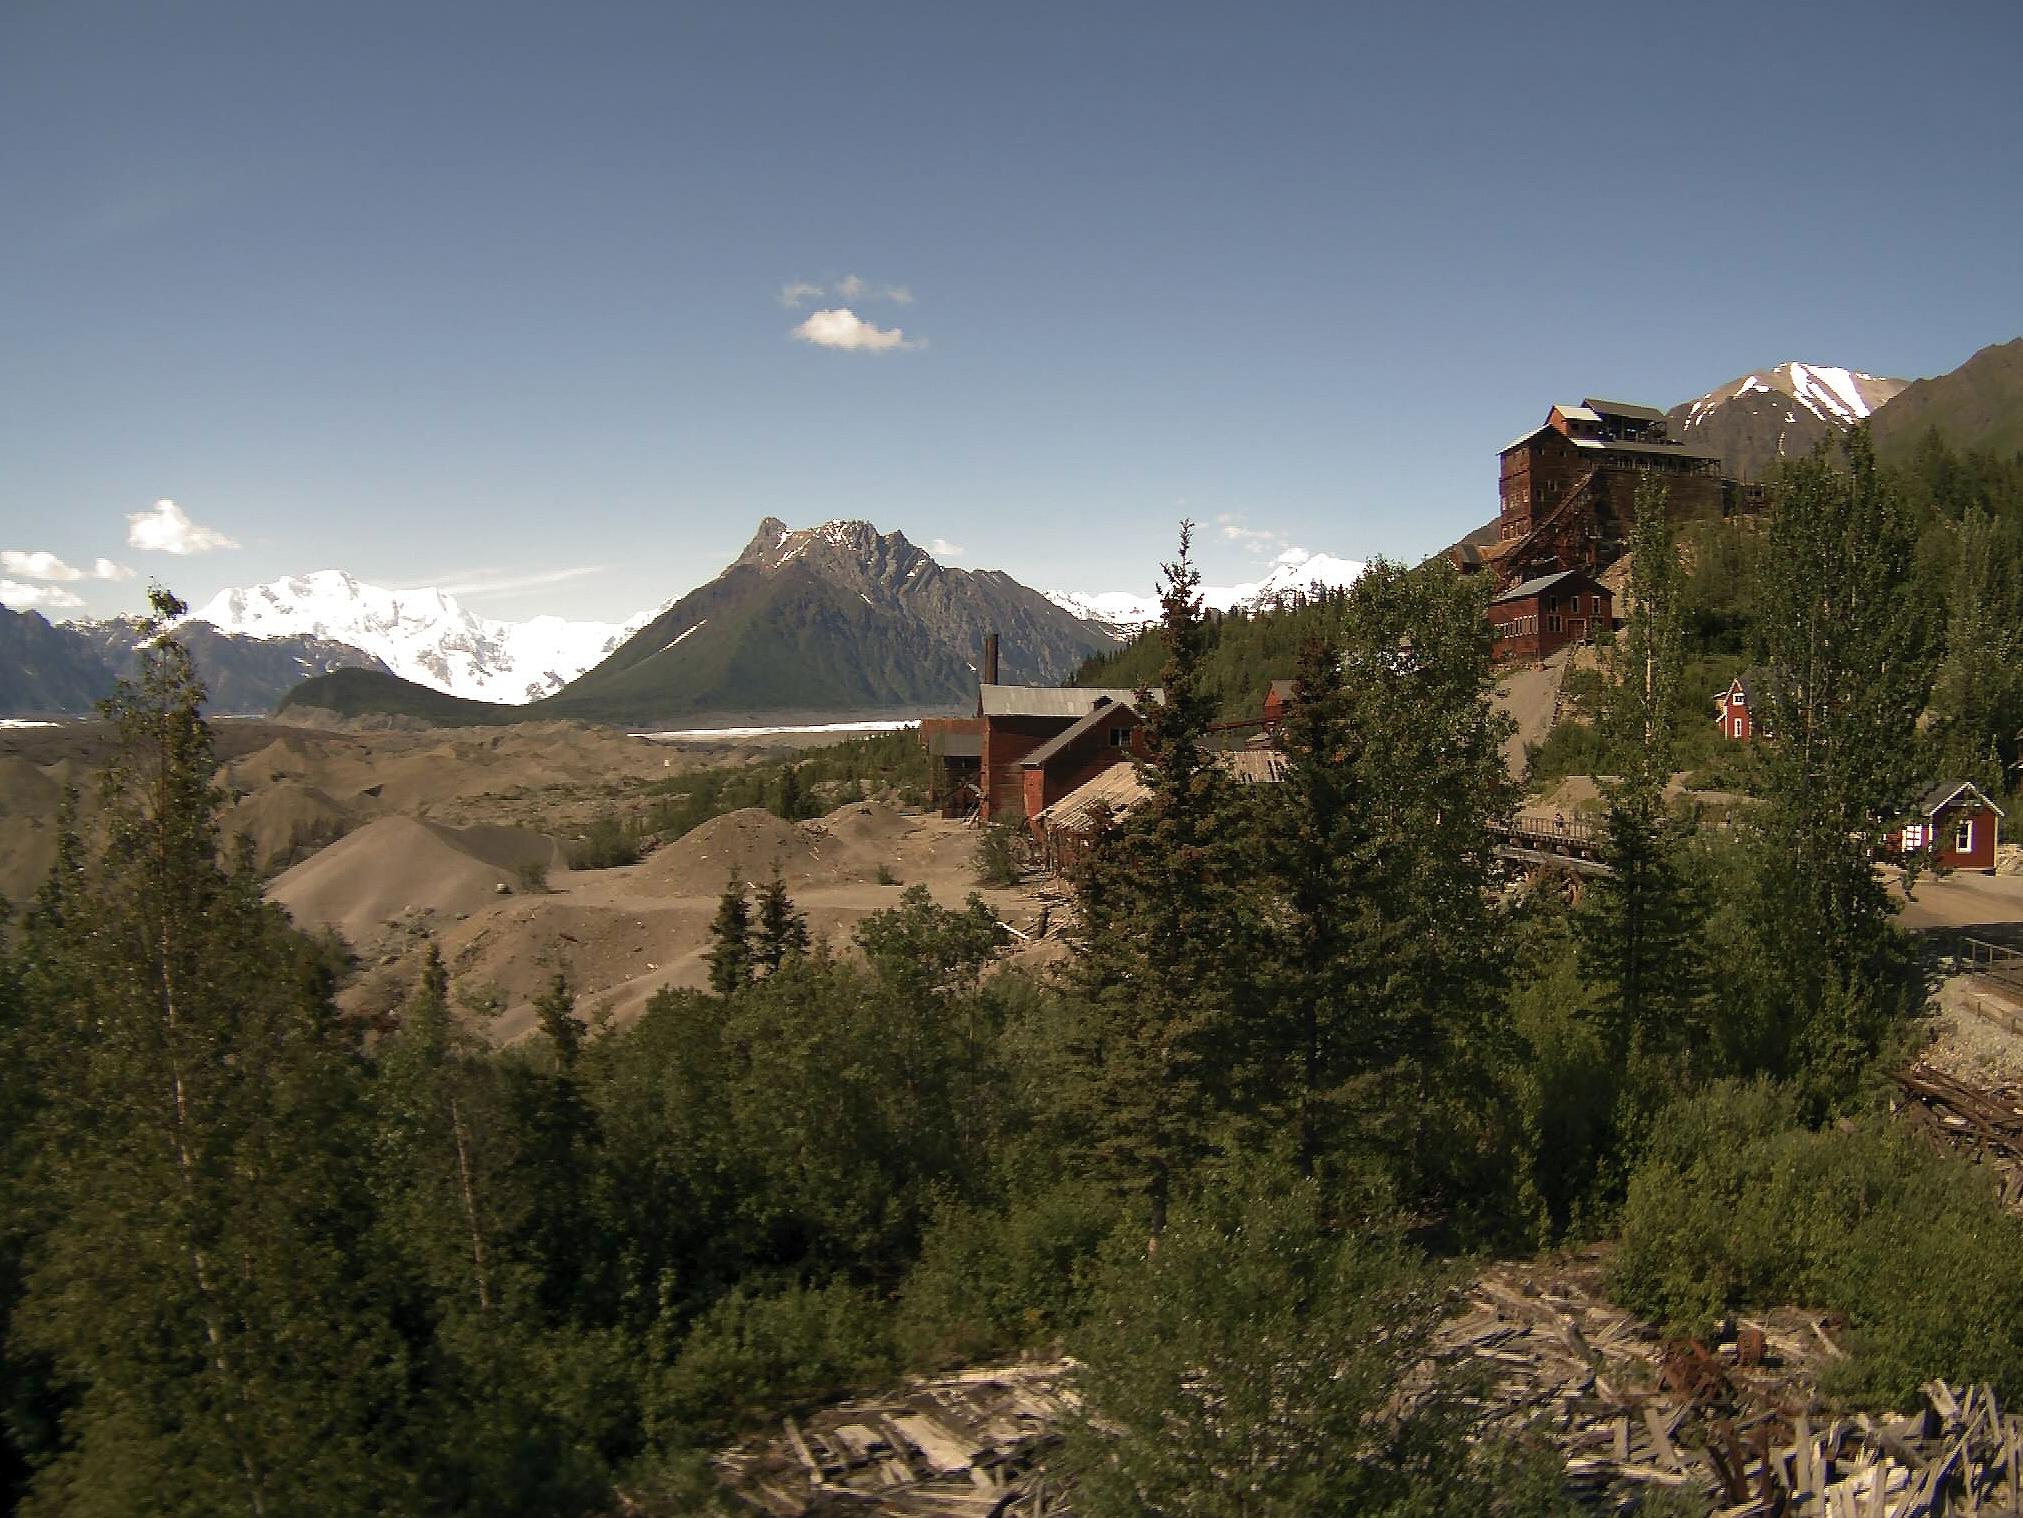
1756,419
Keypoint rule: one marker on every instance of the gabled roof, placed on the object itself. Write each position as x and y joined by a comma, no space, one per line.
1545,583
1946,792
1623,409
1105,712
1578,413
1049,701
1283,689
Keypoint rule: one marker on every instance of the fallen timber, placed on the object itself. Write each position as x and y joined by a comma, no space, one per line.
1733,1420
1984,1123
970,1445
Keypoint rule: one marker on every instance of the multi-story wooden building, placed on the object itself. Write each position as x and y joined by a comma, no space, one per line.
1568,488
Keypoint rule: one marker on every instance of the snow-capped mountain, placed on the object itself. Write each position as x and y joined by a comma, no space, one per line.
1296,573
422,635
1769,414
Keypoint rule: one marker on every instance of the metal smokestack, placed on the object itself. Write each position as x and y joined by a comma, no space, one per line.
990,658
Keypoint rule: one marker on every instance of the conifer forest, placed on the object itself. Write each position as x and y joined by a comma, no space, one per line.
1314,1060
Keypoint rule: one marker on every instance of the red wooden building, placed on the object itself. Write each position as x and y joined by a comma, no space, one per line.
1541,616
1735,711
1108,736
1277,697
1567,487
1017,719
1954,825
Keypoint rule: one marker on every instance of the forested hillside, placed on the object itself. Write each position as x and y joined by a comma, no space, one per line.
1306,1061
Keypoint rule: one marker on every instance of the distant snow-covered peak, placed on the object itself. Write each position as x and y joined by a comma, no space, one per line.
1295,574
1839,397
424,635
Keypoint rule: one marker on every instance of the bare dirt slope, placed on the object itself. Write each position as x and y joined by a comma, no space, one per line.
292,790
1528,694
619,935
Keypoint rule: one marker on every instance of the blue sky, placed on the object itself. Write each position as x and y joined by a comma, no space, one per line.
490,295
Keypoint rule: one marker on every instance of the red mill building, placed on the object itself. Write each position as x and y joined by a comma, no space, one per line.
1569,488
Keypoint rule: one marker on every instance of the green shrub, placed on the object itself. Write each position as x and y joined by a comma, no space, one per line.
885,875
605,844
997,855
753,1354
1736,1206
989,1283
1250,1366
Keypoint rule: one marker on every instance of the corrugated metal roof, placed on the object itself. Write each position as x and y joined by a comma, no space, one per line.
1120,789
1048,701
956,745
1105,713
1623,408
1533,587
1578,413
1669,450
1525,437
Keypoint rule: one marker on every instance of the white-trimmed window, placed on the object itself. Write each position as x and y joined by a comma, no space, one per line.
1914,836
1120,737
1738,727
1963,836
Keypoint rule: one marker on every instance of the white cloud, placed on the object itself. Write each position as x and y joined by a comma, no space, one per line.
1256,539
36,597
37,566
941,548
478,583
47,566
845,329
168,529
850,287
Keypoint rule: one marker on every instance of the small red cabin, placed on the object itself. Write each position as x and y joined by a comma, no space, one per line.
1543,615
1277,697
1735,712
1954,825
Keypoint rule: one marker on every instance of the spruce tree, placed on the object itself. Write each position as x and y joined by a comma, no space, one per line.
1170,930
782,931
1385,951
1639,923
556,1010
730,955
200,1282
1847,636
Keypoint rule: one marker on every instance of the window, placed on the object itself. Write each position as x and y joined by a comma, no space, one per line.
1963,837
1120,737
1738,728
1914,836
1736,698
1552,623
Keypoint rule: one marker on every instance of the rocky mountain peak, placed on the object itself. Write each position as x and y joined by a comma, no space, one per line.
1765,415
852,553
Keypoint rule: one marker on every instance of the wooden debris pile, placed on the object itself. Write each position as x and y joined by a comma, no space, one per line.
1984,1122
1735,1423
960,1446
1961,1455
